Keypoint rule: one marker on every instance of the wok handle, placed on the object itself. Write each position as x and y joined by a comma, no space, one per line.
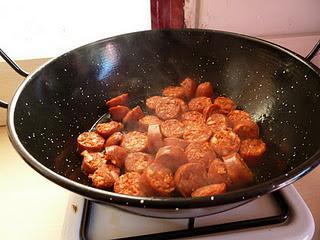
313,52
15,67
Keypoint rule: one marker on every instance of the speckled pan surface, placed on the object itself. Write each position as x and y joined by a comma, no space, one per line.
66,97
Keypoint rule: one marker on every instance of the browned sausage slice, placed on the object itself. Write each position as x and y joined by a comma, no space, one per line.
217,172
178,142
158,180
189,86
133,116
171,157
119,100
225,142
200,152
204,90
210,190
246,129
90,141
91,161
152,102
173,91
148,120
217,121
105,176
183,105
108,128
192,116
137,162
118,112
116,155
238,171
226,104
236,116
154,138
172,128
190,177
196,132
251,150
199,103
168,108
114,139
129,184
135,141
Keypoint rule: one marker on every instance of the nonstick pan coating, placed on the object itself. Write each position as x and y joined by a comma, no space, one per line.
66,96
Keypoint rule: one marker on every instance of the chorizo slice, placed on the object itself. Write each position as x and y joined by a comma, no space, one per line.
118,112
217,172
210,190
200,152
195,132
225,142
172,141
173,91
246,129
137,162
212,109
158,180
171,157
199,103
116,155
183,105
114,139
189,86
168,108
225,104
135,141
91,161
152,102
192,116
90,141
129,184
133,116
172,128
190,177
251,150
204,89
154,138
108,128
238,171
105,176
217,121
236,116
148,120
119,100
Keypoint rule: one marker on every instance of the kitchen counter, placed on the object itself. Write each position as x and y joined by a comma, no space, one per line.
32,207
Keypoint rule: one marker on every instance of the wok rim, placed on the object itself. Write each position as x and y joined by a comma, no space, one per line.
157,202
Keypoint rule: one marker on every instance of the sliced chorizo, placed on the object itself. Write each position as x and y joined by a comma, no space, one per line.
152,102
108,128
90,141
199,103
118,112
105,176
168,108
190,177
155,138
204,89
119,100
133,116
238,171
135,141
171,157
148,120
91,161
158,180
217,172
217,121
116,155
225,104
183,105
173,141
129,184
236,116
225,142
196,132
246,129
210,190
114,139
172,128
200,152
137,162
192,116
173,91
189,86
251,150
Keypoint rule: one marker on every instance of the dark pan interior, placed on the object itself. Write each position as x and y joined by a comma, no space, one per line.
67,96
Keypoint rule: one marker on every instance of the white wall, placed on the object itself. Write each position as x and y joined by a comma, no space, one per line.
35,29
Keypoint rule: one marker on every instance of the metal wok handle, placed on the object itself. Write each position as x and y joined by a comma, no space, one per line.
15,67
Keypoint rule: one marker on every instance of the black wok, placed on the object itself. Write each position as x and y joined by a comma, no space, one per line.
66,96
